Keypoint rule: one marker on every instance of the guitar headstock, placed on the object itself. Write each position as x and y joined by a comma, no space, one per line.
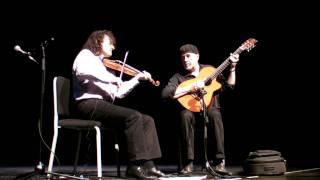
249,44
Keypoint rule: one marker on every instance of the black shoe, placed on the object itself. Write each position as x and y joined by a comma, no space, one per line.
137,172
154,172
187,169
221,169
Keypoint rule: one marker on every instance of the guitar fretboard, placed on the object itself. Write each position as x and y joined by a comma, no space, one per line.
222,66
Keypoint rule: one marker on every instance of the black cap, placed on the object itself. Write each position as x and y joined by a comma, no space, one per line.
189,48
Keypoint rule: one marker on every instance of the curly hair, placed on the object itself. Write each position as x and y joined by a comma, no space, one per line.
95,39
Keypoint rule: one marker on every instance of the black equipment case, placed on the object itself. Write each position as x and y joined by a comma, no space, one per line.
264,162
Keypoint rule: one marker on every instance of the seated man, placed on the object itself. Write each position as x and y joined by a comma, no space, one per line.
173,91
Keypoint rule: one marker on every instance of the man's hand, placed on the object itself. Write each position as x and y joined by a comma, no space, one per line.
234,58
197,85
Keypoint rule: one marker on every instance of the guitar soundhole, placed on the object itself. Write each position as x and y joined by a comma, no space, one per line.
208,82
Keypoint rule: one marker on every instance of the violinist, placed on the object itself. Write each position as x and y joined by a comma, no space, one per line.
95,89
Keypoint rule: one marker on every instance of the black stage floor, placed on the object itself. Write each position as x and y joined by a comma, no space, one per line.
109,172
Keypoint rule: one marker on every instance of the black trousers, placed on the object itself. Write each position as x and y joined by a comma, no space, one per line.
139,129
187,134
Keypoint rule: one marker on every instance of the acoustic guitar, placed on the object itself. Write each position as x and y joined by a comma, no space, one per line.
191,100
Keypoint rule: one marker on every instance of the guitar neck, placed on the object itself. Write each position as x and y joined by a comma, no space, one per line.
222,66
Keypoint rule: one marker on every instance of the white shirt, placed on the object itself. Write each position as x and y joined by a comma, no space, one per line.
91,79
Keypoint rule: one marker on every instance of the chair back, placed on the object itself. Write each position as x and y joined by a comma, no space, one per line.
62,96
62,103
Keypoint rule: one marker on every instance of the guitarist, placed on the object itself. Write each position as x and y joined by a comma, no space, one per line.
192,69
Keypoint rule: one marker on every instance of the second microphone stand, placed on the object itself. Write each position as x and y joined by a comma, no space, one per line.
201,92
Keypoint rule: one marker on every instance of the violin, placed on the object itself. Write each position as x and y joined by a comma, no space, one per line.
127,69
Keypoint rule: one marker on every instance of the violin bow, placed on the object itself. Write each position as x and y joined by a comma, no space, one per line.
123,64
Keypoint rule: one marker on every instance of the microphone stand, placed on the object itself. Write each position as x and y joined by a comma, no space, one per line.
204,109
39,168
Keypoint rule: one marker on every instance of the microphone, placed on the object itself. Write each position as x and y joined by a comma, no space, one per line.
18,49
51,39
46,42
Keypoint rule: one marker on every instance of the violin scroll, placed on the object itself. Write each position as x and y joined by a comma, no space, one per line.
155,83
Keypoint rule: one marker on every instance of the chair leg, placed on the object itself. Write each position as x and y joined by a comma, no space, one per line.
116,147
180,161
98,143
76,158
52,152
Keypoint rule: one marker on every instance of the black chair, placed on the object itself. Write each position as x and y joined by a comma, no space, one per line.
63,119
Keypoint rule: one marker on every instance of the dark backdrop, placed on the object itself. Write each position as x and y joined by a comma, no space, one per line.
274,105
